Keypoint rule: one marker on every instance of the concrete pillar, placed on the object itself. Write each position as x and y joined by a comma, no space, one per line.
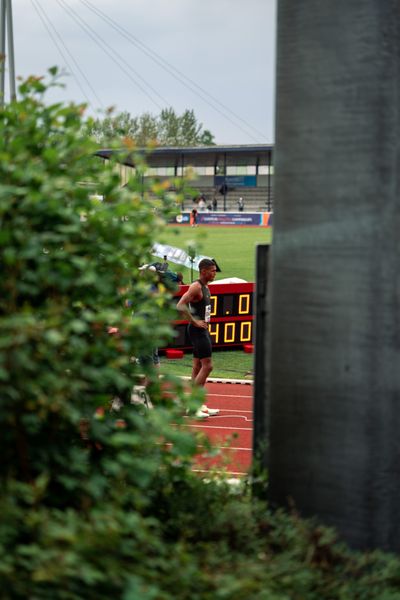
334,357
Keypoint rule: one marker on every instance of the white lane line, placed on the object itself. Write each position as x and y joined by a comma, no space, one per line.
214,447
221,427
216,417
222,472
228,410
231,410
210,395
229,448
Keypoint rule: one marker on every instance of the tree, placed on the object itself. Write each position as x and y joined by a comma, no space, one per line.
206,138
166,129
74,477
142,130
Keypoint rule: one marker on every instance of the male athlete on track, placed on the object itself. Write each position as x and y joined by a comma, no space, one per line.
195,305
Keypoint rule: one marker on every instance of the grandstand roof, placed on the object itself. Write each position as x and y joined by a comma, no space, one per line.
258,154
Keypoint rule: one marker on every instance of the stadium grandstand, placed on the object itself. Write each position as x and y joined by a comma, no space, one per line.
225,173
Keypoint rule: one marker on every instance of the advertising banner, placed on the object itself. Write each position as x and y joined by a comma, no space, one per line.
227,218
233,181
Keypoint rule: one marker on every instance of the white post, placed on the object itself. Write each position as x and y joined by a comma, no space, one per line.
2,48
11,59
6,27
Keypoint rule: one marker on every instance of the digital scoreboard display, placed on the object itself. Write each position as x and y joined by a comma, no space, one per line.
231,316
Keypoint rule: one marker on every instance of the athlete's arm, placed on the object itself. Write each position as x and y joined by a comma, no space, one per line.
194,294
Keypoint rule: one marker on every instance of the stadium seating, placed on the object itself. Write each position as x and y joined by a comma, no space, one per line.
255,199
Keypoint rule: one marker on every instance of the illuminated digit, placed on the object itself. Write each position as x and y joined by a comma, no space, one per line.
245,331
244,299
228,338
214,303
213,330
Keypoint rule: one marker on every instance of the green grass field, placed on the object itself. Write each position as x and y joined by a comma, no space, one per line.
234,249
230,364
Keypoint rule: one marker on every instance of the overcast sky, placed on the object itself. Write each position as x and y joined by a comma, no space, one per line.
216,57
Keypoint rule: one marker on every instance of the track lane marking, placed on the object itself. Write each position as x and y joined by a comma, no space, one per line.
230,448
230,410
237,397
234,397
219,471
220,427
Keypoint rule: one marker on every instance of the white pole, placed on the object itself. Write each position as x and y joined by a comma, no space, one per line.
2,48
11,60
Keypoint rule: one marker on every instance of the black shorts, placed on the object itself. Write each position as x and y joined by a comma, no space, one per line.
201,342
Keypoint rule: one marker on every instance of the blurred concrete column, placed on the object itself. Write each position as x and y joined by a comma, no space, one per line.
334,352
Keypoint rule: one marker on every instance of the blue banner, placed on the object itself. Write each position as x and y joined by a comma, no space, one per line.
233,181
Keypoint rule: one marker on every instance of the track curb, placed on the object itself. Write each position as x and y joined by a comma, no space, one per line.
221,380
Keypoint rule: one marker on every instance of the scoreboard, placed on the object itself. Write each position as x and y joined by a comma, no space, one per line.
231,316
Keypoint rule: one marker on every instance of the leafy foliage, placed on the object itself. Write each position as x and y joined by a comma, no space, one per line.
165,129
96,504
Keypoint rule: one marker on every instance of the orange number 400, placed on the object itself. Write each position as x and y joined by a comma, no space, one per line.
234,332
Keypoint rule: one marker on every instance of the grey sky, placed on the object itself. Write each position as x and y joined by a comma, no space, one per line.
227,47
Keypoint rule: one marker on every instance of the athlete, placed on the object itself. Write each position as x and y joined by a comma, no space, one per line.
195,305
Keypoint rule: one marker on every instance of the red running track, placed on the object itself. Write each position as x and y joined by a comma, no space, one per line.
231,431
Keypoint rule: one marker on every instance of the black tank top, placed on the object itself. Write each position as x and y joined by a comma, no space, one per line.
202,309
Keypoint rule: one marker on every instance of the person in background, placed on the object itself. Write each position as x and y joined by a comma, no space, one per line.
193,217
241,204
140,395
195,306
171,279
215,203
164,264
223,190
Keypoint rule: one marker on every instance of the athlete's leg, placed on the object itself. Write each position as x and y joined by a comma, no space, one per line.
196,366
205,370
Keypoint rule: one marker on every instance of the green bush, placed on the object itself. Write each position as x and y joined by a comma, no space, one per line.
96,504
70,473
